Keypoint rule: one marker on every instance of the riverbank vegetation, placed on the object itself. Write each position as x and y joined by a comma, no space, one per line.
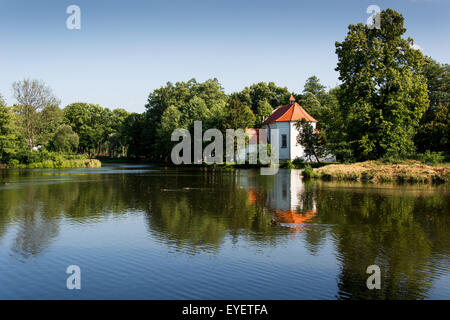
392,103
411,171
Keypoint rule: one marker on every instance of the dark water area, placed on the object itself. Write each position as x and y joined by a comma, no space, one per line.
142,232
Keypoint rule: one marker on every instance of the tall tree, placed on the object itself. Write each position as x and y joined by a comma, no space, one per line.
383,93
311,140
50,118
263,111
32,96
434,129
65,139
238,115
7,136
273,94
313,85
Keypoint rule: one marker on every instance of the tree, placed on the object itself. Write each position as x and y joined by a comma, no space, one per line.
32,96
312,105
311,140
64,139
263,111
7,136
238,115
274,95
50,118
194,98
116,139
332,125
92,123
171,119
383,93
313,86
133,135
434,129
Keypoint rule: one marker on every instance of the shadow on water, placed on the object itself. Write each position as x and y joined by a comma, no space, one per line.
403,229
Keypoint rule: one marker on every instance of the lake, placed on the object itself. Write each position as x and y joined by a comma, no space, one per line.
143,232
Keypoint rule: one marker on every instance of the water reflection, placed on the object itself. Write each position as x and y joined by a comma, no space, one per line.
403,229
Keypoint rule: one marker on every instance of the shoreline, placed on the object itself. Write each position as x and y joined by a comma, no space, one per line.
57,164
376,171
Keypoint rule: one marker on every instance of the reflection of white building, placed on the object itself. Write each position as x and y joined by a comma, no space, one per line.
288,192
293,205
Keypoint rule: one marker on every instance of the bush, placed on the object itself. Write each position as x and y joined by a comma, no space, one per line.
433,157
309,173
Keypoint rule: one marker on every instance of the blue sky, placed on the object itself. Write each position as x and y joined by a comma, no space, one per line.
125,49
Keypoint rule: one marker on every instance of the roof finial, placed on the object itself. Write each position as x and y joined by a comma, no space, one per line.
291,99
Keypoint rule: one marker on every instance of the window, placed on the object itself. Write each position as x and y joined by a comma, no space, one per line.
283,141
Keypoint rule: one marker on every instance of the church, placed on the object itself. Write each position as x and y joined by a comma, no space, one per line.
284,119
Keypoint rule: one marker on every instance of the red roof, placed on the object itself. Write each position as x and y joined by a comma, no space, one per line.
289,112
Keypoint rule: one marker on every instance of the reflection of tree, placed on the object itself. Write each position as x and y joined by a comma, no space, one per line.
197,213
395,229
36,204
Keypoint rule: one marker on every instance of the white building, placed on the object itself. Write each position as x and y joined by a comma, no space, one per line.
284,119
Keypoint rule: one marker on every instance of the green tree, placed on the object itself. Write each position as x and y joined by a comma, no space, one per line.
383,93
133,135
171,119
434,129
312,105
311,140
50,118
333,126
313,85
196,101
8,139
92,123
64,139
32,96
274,95
238,115
263,111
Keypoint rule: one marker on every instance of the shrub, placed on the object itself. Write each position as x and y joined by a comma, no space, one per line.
309,173
433,157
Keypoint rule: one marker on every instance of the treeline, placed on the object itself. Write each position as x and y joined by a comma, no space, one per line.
393,102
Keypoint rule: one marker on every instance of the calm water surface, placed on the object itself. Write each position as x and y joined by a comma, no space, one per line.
140,232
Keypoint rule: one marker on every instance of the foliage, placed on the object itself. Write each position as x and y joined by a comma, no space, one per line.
309,173
311,140
32,96
8,140
65,139
261,91
432,157
314,86
50,119
263,111
238,115
434,129
383,93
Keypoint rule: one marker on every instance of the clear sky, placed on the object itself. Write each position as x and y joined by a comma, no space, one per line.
125,49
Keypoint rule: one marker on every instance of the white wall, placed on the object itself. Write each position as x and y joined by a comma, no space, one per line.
283,128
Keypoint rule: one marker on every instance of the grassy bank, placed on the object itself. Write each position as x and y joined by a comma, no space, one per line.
44,159
376,171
